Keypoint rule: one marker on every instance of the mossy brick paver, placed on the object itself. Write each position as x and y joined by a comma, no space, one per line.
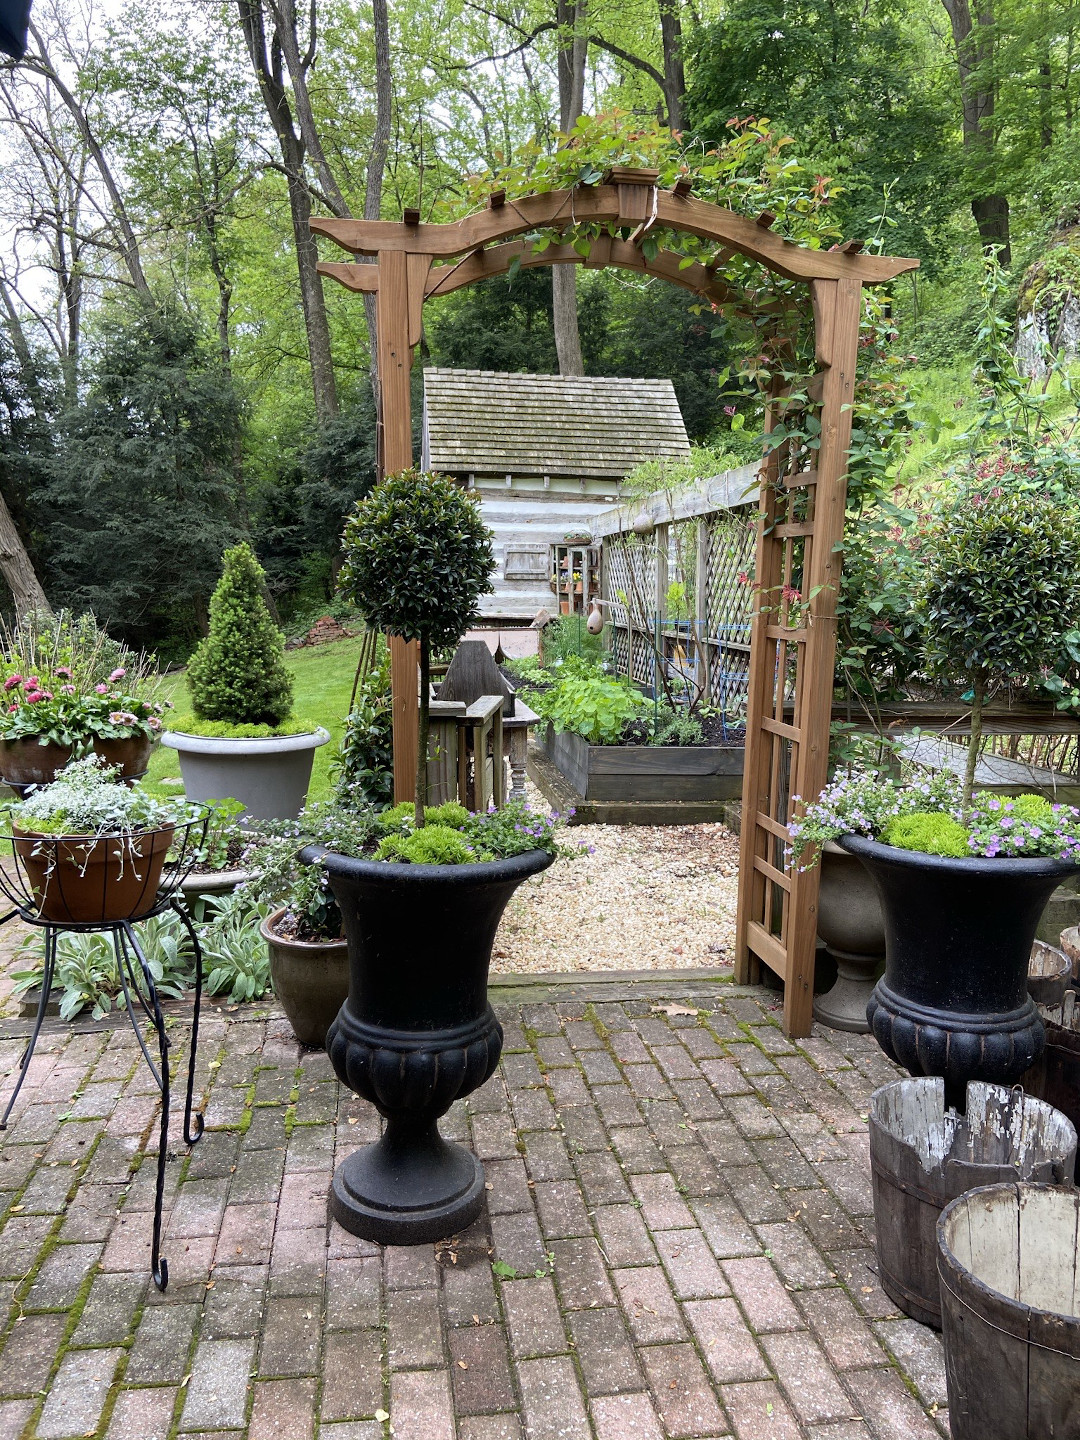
677,1243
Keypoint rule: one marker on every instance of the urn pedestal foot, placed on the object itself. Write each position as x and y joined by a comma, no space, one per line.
410,1188
844,1006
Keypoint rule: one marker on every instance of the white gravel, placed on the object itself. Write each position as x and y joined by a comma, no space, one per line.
647,898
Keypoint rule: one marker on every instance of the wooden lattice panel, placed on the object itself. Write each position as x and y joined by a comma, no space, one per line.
725,601
797,573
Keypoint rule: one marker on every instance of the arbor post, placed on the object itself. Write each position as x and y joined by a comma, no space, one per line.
396,453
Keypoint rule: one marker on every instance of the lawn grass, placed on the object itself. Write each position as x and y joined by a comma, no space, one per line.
324,678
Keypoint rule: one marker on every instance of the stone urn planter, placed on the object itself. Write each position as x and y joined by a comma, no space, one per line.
958,934
416,1033
269,777
310,978
853,928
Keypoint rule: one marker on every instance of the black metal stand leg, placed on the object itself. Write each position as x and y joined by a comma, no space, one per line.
189,1137
124,936
43,1005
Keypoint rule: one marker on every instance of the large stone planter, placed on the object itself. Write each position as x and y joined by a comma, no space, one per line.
416,1033
958,934
310,978
853,928
269,777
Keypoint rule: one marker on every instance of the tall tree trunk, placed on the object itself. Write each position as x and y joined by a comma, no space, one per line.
573,49
266,57
973,40
674,70
18,569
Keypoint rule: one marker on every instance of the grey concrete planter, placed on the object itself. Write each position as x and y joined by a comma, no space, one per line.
269,777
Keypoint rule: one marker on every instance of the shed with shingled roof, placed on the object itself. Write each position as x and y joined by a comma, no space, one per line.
546,453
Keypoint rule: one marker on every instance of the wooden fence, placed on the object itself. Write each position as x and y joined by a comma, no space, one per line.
676,585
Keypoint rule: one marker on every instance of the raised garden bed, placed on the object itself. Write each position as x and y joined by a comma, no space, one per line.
637,784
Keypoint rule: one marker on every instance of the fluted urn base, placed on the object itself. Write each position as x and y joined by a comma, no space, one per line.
409,1188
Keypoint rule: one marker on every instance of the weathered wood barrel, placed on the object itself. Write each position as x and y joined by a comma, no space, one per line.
1055,1076
1010,1292
922,1156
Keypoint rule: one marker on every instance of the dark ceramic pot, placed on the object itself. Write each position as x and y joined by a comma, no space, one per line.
310,978
958,934
416,1033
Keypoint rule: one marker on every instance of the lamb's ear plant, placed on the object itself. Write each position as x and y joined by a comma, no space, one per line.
417,559
1001,591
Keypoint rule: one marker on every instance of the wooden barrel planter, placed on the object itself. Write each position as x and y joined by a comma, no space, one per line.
922,1156
1009,1266
1055,1076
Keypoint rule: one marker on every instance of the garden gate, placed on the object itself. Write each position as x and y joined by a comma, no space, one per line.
802,497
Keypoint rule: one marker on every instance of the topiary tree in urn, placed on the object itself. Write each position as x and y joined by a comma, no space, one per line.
242,740
417,559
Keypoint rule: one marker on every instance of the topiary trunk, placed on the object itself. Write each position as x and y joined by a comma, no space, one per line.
422,737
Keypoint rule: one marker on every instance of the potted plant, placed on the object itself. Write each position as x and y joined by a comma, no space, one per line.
69,689
242,740
309,963
963,877
92,849
421,906
221,860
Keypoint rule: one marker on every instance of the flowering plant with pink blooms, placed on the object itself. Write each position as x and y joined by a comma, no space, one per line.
52,709
64,680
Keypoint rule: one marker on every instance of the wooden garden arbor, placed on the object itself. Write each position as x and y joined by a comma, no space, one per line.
803,484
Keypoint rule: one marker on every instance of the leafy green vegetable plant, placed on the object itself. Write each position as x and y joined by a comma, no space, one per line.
237,674
586,702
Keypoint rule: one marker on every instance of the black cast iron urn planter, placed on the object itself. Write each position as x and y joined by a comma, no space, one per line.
416,1033
958,935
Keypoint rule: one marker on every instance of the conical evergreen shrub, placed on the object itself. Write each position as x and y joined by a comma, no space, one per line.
238,672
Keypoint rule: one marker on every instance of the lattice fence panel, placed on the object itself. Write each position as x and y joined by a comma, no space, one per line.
702,629
631,568
724,598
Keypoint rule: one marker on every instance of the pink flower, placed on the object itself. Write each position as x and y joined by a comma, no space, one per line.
63,672
153,722
12,709
67,689
33,696
117,717
118,673
12,682
34,683
100,689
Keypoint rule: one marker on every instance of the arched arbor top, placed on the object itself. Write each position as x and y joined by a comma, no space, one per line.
632,203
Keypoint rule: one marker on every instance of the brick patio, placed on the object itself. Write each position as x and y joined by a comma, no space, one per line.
679,1243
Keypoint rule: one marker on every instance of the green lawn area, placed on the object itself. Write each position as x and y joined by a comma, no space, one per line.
324,677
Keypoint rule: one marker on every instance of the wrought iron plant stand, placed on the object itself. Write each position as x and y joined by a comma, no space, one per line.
46,911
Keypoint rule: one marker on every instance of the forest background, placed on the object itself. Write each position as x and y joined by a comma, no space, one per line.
173,375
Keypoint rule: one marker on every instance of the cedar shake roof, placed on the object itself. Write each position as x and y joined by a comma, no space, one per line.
484,423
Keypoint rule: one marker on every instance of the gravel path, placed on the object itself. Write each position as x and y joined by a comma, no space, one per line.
647,898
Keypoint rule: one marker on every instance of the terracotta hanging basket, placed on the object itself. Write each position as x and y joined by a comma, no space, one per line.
89,879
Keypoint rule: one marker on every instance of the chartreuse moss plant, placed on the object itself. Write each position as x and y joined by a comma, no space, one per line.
929,832
237,675
418,557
